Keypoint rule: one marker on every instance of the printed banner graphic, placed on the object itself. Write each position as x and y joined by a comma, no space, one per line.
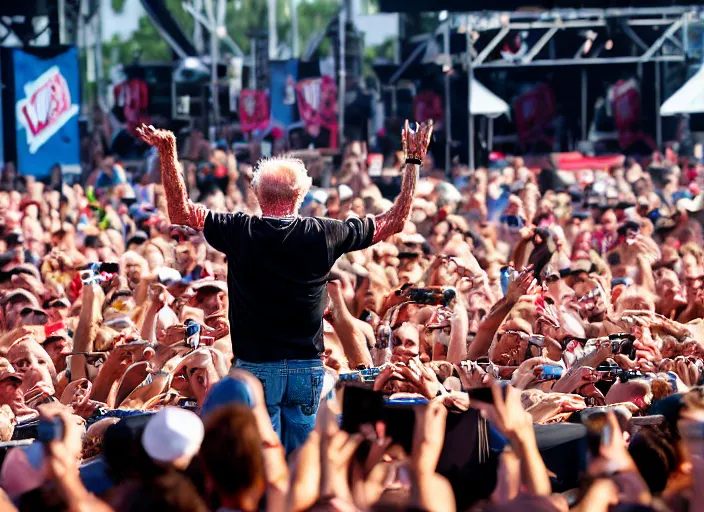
253,110
535,110
317,105
46,105
133,97
428,105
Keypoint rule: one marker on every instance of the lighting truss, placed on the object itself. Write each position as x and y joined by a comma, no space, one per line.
666,41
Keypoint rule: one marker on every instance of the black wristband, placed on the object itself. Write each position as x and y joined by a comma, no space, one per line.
416,161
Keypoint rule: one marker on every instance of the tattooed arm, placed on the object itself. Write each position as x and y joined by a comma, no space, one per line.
181,210
392,220
415,146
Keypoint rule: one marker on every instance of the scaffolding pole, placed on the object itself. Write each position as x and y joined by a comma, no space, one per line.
343,74
658,102
294,29
448,116
470,79
585,104
214,57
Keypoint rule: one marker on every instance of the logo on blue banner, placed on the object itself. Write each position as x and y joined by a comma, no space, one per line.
46,108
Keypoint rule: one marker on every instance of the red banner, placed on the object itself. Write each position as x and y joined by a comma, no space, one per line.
535,110
427,105
624,96
253,110
317,105
133,97
575,161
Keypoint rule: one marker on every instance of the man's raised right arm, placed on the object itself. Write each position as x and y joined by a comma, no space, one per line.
181,209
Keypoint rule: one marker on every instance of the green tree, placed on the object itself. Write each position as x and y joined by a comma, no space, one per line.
146,40
117,5
245,16
313,16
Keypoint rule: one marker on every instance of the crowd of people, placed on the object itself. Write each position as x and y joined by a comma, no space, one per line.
226,335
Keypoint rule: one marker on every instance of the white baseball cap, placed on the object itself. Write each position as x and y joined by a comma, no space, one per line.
173,434
168,276
345,192
319,196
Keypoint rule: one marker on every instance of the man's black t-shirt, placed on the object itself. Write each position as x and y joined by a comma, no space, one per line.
277,277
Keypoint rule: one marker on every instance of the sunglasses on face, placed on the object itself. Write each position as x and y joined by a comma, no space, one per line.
552,279
522,335
444,328
534,340
58,304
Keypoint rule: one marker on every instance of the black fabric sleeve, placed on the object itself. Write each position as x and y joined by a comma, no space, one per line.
222,230
351,235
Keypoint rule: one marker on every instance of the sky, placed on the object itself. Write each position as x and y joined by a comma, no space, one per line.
122,24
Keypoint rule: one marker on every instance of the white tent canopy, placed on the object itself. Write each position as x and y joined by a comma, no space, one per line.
486,103
689,99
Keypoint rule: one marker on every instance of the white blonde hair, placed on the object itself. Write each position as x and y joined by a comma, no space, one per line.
281,180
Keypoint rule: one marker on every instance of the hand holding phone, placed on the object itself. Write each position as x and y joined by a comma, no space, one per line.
192,334
432,296
363,406
608,448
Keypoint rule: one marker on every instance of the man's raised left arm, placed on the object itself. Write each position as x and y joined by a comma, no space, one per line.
415,147
181,209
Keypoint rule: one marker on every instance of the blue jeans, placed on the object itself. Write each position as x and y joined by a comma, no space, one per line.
292,393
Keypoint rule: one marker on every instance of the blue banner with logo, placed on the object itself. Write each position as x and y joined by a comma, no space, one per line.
284,74
47,103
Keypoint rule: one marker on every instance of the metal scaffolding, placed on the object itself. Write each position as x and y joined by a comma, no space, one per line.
637,25
573,37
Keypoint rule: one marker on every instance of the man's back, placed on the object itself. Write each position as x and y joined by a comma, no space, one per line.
277,275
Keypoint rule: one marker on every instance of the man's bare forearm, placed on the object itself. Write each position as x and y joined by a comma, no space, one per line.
86,330
181,209
392,221
457,351
481,344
